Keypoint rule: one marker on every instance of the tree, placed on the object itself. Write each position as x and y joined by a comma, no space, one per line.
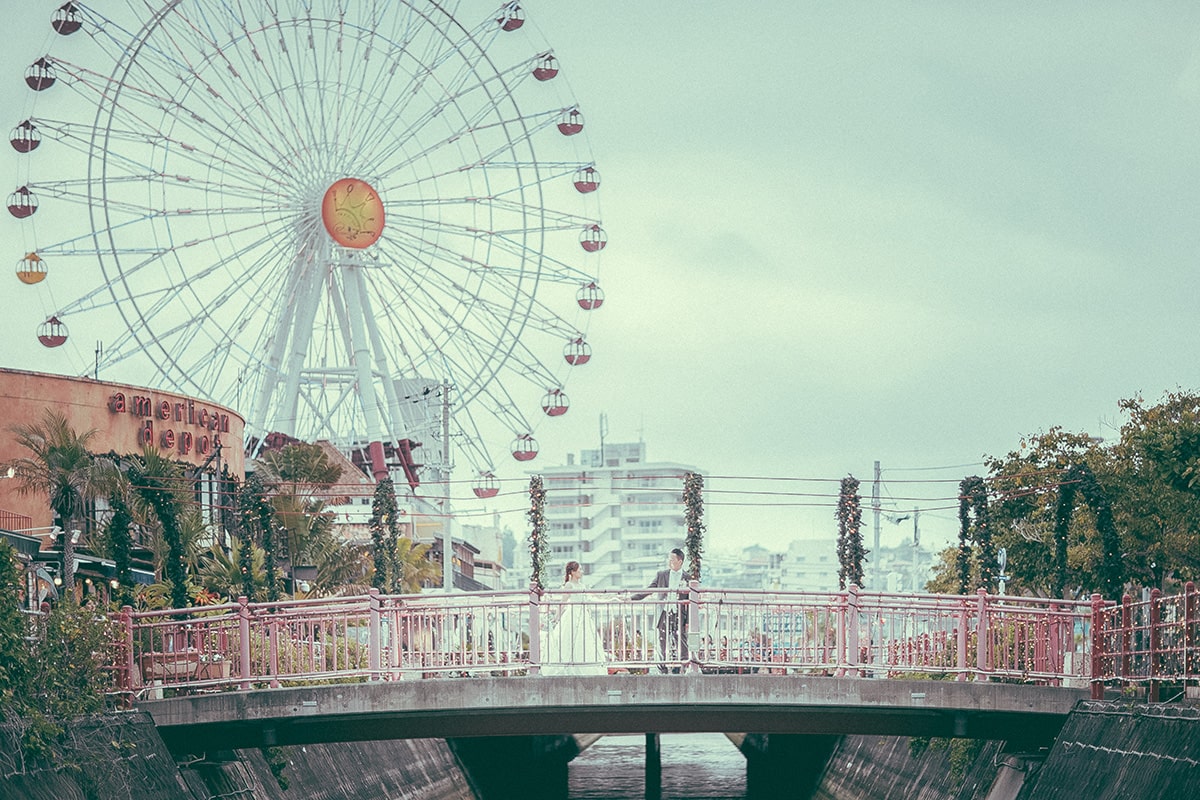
61,467
14,667
1136,524
256,526
298,466
416,569
298,472
222,572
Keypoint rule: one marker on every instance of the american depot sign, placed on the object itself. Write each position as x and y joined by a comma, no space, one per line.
181,426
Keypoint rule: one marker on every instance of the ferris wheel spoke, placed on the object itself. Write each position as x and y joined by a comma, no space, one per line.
212,103
133,107
80,137
529,124
440,48
471,124
443,281
153,96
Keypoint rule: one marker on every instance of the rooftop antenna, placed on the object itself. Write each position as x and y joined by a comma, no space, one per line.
99,352
603,433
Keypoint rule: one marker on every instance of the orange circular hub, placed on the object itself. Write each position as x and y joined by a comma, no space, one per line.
353,213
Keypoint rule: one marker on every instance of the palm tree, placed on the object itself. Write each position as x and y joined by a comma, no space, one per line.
61,467
221,572
414,566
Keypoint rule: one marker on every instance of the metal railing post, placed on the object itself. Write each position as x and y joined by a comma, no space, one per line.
1191,621
840,644
983,633
693,625
535,627
1126,637
127,631
1055,655
852,625
244,641
963,611
273,639
1155,644
1098,645
374,637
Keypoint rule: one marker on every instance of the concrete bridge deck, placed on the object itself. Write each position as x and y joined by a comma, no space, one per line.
502,706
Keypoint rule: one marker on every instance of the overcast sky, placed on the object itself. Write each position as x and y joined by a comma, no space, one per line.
849,232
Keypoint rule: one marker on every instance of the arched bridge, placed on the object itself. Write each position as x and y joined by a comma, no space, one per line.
537,663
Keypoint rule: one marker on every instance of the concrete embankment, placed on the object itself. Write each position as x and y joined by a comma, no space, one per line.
1114,751
1105,751
122,756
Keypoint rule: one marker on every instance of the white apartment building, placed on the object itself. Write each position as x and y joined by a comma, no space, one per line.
810,565
615,513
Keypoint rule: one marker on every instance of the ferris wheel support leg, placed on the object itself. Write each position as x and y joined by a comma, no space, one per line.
397,430
354,290
304,293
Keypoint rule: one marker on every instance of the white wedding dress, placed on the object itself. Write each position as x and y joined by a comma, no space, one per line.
572,644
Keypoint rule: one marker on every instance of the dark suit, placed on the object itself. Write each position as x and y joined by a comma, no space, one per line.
672,621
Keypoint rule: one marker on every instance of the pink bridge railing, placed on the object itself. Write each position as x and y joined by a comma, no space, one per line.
853,633
1152,642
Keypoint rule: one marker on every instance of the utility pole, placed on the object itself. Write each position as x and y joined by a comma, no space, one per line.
447,536
875,506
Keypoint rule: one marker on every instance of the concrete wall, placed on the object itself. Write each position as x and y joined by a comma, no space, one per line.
1112,751
877,767
122,756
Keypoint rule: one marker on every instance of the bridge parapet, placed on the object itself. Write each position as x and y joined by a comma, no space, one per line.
389,637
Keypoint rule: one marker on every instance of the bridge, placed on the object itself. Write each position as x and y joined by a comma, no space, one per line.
488,670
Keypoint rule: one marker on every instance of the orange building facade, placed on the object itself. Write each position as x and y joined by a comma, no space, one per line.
125,418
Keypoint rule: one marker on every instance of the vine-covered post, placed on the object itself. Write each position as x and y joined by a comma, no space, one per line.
972,500
962,562
850,551
384,529
537,533
693,515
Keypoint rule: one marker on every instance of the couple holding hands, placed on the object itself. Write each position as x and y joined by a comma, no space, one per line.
573,645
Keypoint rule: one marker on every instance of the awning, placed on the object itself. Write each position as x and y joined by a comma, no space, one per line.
26,546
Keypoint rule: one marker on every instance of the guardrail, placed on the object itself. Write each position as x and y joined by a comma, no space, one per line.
1153,642
246,645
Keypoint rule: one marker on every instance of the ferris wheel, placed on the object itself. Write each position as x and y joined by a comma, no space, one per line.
339,217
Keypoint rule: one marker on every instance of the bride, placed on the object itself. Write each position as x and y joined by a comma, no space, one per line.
573,645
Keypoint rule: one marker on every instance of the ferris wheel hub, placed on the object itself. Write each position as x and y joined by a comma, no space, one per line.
352,212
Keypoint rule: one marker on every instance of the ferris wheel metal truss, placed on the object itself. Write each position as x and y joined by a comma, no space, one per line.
340,218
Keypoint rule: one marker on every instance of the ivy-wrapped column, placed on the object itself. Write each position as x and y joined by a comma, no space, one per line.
972,501
693,515
385,536
537,532
850,550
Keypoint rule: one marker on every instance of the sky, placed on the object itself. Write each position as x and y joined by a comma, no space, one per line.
842,233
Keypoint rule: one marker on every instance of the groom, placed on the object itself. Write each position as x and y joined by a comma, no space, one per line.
672,621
